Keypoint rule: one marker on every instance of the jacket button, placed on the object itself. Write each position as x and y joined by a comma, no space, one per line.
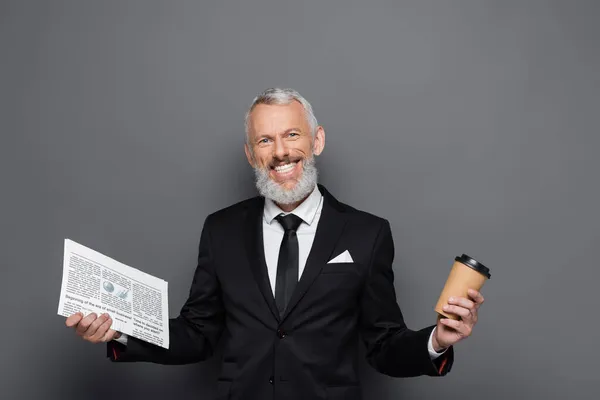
271,380
281,334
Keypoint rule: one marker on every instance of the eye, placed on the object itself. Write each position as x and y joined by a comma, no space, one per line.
265,140
292,134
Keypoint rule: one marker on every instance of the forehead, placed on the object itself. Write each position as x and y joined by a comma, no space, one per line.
277,118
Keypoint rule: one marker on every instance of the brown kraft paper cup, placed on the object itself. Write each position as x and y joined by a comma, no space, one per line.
466,273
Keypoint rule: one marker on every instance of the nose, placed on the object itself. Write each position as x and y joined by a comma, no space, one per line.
280,150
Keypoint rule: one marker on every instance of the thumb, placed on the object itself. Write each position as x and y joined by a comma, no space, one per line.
73,320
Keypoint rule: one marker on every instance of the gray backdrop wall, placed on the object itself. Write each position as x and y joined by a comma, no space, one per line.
471,125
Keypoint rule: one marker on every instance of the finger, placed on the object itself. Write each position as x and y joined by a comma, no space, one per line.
95,325
476,296
465,313
110,335
85,323
464,329
461,301
101,331
451,323
73,319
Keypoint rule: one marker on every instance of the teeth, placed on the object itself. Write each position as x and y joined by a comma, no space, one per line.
285,168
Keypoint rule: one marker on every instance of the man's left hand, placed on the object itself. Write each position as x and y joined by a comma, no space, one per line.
449,331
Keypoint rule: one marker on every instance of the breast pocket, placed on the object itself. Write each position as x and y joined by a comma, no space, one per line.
340,268
335,289
340,280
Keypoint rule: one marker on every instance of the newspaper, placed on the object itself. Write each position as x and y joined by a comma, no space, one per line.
136,302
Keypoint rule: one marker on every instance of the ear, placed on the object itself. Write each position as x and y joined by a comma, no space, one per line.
319,141
249,155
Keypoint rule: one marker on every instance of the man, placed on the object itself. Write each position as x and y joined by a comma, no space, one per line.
291,280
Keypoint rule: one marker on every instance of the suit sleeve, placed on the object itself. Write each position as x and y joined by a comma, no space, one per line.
392,348
193,335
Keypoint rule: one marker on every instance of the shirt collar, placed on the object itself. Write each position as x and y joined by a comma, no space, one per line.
306,210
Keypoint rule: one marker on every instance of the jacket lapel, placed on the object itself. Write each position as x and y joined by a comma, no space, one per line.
253,235
331,225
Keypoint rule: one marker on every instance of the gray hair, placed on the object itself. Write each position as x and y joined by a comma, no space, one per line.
282,96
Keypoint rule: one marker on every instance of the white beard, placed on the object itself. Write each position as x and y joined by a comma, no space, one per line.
274,191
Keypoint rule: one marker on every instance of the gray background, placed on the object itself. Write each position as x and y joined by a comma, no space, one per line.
470,125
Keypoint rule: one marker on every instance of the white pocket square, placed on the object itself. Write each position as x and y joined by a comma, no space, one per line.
345,257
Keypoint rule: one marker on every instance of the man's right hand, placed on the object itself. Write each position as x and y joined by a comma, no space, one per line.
92,328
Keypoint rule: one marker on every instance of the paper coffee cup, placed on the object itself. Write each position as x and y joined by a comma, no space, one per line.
466,273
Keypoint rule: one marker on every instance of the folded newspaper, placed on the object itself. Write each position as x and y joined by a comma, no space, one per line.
136,302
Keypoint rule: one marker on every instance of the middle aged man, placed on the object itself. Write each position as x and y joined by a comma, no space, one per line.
291,280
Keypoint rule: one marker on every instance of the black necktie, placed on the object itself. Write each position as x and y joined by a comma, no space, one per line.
287,264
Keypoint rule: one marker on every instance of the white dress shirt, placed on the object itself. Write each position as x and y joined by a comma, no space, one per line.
310,213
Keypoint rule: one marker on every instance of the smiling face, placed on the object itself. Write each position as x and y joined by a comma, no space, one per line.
281,146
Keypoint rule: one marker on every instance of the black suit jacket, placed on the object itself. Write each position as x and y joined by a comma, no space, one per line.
312,351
